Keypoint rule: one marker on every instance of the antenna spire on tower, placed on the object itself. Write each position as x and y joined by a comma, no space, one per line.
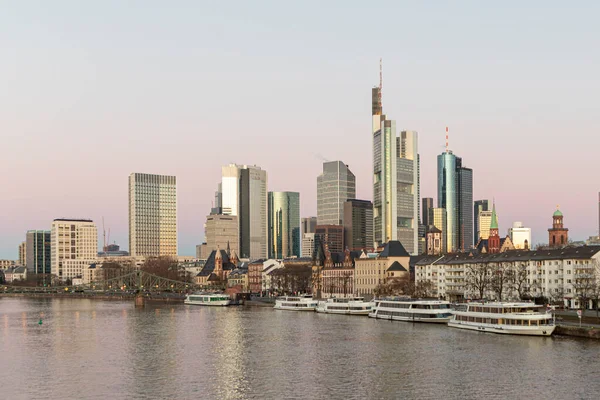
380,82
447,149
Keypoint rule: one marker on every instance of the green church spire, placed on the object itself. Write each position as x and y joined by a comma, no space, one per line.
494,223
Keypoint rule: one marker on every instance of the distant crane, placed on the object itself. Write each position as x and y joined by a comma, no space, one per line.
104,238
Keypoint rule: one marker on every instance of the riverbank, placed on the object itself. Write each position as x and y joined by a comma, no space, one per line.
120,297
589,332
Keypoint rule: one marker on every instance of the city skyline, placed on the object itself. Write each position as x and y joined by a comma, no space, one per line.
150,112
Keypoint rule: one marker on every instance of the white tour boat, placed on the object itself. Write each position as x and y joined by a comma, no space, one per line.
507,318
412,310
296,303
348,306
208,299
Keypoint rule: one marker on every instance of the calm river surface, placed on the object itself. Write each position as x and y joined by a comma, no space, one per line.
90,349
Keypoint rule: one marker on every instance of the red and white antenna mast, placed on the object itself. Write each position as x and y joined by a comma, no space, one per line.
447,149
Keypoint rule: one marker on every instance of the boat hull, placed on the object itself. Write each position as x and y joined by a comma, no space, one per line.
416,318
278,307
342,312
220,303
505,329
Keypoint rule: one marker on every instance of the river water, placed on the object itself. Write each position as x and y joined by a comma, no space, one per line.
91,349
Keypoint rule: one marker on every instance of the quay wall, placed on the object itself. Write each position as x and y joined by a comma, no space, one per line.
584,332
93,297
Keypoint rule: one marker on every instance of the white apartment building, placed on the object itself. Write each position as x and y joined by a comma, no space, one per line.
555,274
152,215
74,246
520,236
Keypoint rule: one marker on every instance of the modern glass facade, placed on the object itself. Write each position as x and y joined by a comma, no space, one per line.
438,218
284,225
455,194
38,254
358,224
152,215
334,186
396,188
244,194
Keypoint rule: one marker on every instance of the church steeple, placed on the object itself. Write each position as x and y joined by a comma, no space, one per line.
494,239
494,222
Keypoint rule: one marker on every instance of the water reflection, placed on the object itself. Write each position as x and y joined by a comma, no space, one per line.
95,349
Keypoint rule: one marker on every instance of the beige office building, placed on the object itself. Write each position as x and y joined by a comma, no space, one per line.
439,218
221,232
23,254
485,220
74,246
152,215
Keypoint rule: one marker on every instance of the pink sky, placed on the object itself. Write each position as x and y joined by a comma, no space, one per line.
92,93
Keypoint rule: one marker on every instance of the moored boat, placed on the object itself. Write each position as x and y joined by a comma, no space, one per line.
347,306
296,303
208,299
504,318
412,310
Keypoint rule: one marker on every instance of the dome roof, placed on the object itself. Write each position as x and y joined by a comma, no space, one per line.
557,213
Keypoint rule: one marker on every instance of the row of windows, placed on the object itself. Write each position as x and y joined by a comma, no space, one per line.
495,321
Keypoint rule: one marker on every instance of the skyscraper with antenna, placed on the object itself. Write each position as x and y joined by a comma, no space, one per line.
395,178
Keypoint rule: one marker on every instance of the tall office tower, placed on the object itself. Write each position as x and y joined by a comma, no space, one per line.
358,224
73,247
330,236
308,225
334,186
308,244
438,218
395,180
483,225
23,254
244,193
217,207
39,252
455,194
221,232
152,215
479,206
598,214
465,207
427,205
284,225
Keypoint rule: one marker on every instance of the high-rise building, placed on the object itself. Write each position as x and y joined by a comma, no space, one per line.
438,218
284,225
334,186
152,215
520,236
39,252
395,181
455,194
308,244
73,247
221,232
478,207
427,204
308,225
358,224
244,194
23,254
330,236
484,222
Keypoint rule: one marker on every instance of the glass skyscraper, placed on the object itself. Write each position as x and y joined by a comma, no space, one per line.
455,194
395,181
244,193
38,254
284,224
334,186
478,207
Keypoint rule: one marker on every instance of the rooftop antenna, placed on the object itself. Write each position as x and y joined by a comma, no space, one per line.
447,149
104,236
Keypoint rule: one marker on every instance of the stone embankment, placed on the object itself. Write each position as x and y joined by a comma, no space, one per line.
590,332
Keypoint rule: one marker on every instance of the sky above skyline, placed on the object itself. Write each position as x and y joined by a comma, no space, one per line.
92,92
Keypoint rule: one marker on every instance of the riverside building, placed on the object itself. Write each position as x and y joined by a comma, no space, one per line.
334,186
38,255
74,246
152,215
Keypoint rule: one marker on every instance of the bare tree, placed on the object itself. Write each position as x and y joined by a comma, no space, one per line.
586,280
501,278
520,281
478,278
165,267
346,278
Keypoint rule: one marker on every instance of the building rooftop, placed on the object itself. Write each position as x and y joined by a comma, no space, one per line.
394,249
73,220
396,266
